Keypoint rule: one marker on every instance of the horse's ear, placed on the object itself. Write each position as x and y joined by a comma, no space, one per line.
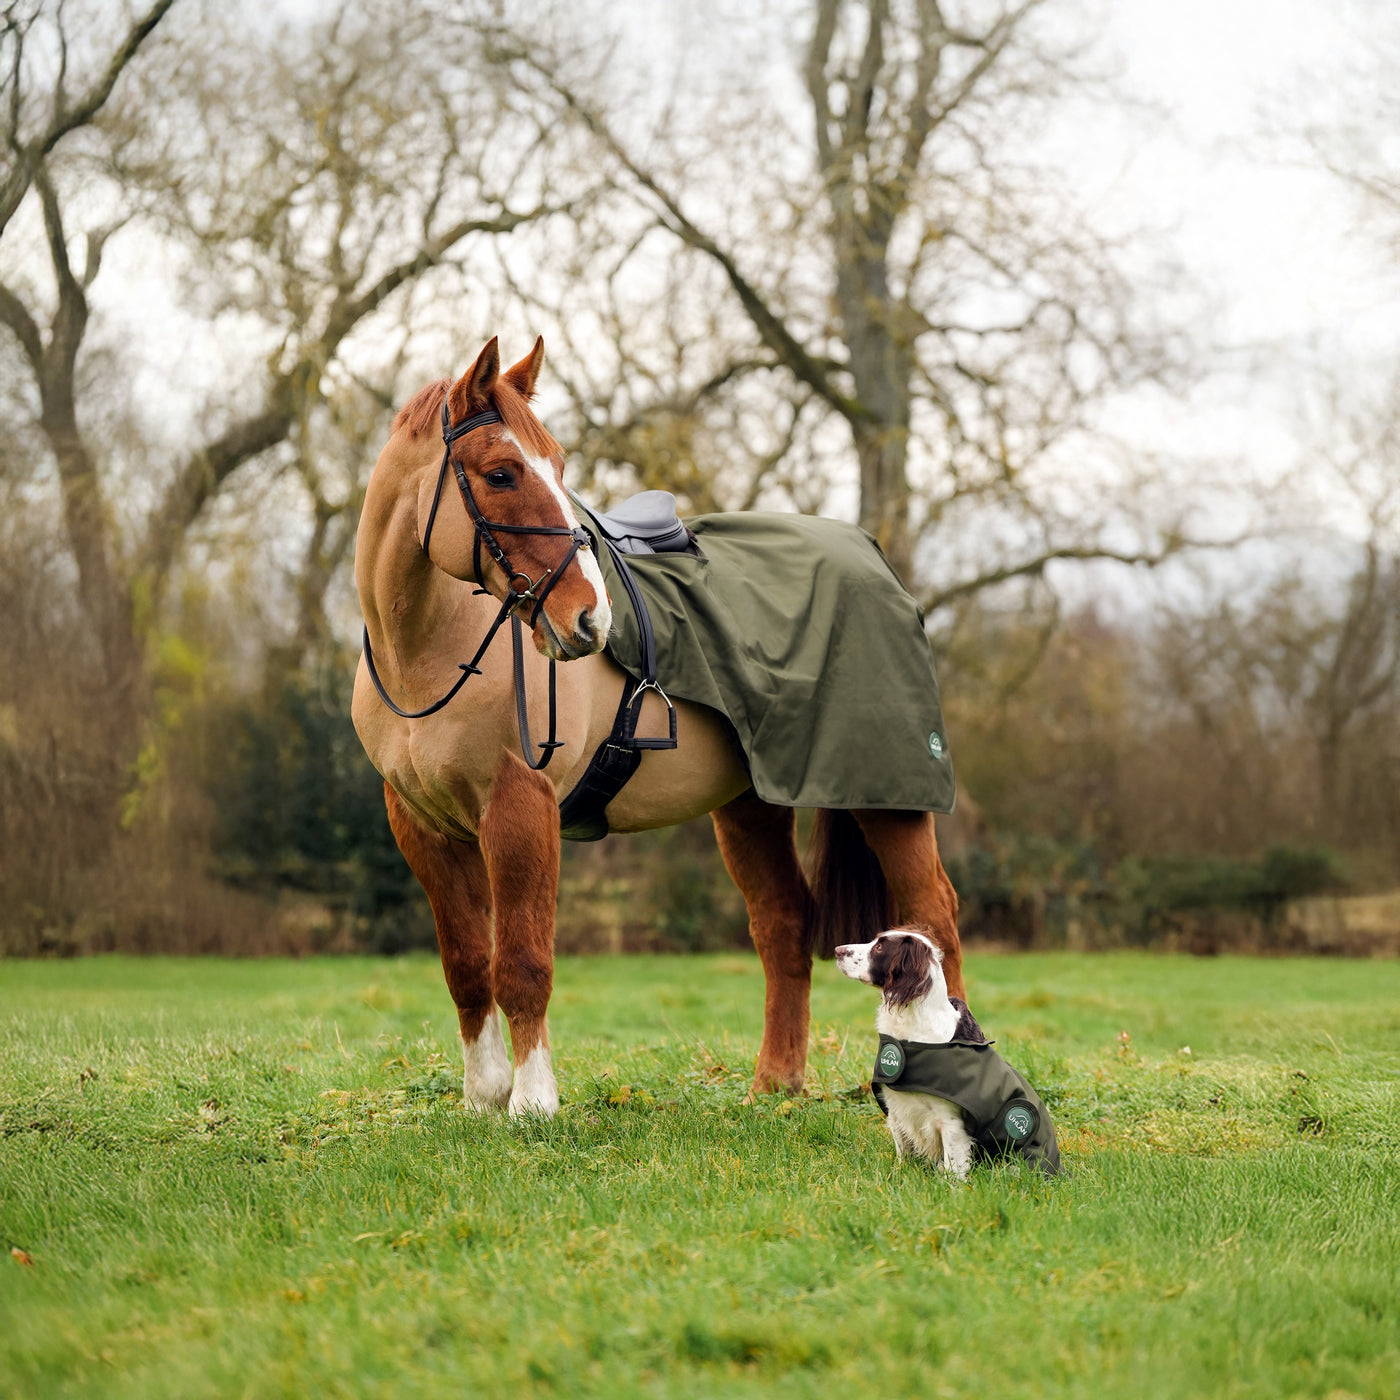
522,376
472,391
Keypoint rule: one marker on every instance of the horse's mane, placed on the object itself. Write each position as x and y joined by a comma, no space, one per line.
422,414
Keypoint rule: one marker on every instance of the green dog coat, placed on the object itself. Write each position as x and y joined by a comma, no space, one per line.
1002,1112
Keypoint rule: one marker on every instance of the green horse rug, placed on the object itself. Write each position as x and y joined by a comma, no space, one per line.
796,629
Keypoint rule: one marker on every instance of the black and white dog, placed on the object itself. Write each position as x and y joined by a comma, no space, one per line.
947,1095
908,969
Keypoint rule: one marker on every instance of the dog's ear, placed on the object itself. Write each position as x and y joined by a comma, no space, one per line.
907,976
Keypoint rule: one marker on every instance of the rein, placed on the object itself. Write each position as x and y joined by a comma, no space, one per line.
535,591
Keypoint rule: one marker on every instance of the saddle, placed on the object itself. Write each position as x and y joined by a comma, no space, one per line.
646,523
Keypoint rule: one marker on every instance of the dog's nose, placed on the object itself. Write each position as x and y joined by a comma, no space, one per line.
843,950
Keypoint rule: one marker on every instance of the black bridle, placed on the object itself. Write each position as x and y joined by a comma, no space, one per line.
535,591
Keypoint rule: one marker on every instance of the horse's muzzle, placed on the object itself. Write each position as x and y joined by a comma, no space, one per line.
588,636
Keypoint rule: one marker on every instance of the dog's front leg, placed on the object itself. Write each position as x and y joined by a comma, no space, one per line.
903,1143
957,1149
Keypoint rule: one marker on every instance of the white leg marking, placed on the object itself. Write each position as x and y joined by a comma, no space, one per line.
486,1075
535,1088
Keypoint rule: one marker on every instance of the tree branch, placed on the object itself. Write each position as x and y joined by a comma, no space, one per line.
30,154
818,52
1033,568
15,315
202,475
769,325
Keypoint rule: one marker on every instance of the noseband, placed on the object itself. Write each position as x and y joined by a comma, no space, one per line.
535,591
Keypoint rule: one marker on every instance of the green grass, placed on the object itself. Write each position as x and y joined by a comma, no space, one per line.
256,1179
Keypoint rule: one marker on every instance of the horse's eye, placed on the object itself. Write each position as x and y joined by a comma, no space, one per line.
500,478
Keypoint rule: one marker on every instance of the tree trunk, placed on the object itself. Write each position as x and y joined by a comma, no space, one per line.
105,598
881,369
884,492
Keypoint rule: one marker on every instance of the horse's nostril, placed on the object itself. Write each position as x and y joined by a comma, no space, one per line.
586,630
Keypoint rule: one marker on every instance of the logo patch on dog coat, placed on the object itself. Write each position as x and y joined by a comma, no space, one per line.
891,1060
1020,1122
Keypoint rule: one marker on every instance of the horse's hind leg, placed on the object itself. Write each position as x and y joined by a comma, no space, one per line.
520,841
760,852
453,875
907,849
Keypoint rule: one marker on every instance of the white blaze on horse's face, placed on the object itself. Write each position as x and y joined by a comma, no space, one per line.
587,631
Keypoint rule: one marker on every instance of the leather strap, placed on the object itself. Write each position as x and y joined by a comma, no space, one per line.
583,813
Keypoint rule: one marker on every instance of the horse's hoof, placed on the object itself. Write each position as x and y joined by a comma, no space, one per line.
768,1081
527,1108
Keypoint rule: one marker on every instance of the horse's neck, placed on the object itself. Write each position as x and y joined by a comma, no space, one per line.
411,608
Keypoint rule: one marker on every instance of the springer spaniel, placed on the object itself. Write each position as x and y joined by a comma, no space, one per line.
908,969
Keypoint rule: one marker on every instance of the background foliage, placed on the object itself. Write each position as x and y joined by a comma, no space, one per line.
844,273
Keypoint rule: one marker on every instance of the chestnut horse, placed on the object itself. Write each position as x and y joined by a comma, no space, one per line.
480,828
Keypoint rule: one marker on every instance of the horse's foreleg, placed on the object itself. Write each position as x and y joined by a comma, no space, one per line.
907,849
760,851
453,875
520,842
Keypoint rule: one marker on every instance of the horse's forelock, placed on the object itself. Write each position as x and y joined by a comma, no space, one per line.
528,431
422,415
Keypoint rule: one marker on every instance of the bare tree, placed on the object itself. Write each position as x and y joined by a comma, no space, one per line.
897,269
1355,141
38,113
304,217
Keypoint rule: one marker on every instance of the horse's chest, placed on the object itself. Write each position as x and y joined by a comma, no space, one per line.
438,772
447,782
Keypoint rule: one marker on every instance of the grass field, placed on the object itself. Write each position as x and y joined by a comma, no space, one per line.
256,1179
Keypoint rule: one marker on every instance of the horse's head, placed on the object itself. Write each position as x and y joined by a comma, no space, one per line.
512,473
